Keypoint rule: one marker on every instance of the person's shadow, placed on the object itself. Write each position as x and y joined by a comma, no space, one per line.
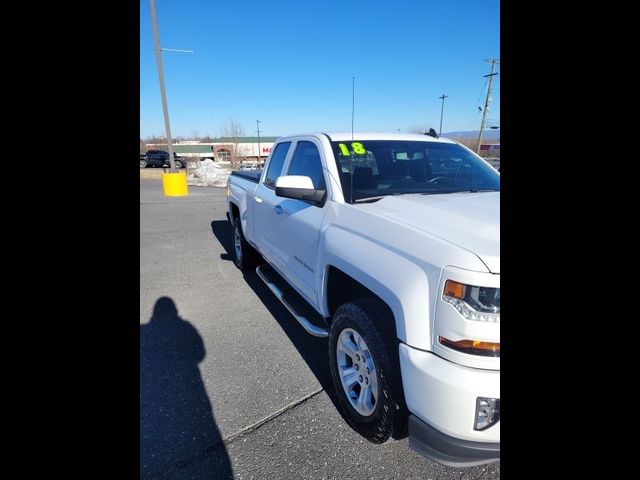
178,434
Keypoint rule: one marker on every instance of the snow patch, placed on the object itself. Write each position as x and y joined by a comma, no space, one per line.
208,174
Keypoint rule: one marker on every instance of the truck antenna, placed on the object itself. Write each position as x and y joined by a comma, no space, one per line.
353,102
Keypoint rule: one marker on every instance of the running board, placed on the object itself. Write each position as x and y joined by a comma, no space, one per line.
312,329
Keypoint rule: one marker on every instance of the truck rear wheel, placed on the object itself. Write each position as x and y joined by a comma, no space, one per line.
245,257
365,368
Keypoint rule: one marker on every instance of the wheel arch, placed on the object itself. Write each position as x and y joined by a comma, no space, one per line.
342,288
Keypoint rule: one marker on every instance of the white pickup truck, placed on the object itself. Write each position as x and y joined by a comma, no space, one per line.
389,244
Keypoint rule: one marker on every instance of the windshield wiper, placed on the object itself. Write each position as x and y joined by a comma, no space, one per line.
378,197
471,190
369,199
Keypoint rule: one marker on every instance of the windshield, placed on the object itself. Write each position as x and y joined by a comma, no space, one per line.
390,167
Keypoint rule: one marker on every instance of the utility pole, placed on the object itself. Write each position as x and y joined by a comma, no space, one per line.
487,101
442,112
163,93
258,124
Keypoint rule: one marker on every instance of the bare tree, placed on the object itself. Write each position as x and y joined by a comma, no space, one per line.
143,147
234,132
154,139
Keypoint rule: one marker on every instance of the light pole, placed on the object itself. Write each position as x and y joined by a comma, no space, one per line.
163,93
442,112
258,124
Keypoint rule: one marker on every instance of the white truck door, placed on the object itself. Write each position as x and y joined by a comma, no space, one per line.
265,199
297,223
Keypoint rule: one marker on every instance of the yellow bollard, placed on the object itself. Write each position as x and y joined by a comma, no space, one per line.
175,184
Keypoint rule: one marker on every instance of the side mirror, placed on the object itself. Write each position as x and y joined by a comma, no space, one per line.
299,187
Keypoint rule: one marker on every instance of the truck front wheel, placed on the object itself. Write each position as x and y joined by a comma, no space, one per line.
363,352
244,255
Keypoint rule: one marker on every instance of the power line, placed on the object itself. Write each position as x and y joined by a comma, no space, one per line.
474,115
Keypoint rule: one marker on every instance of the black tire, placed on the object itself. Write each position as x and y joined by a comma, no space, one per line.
179,164
143,164
372,321
245,257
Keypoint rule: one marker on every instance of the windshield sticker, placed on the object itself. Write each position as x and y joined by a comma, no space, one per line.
357,147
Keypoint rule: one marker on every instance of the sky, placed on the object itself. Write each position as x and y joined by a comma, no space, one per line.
290,64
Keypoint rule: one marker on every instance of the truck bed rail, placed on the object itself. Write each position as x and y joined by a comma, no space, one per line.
251,176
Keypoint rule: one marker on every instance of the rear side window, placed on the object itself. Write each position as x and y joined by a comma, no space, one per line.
306,161
275,164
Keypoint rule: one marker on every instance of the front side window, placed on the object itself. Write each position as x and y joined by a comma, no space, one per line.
372,169
306,161
276,163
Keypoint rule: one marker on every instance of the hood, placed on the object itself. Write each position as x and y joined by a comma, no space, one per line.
469,220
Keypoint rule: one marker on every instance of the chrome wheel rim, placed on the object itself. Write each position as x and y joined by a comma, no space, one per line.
357,372
237,242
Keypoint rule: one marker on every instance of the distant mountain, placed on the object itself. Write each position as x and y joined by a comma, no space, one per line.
487,135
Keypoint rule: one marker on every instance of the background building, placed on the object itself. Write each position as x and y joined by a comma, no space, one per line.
222,149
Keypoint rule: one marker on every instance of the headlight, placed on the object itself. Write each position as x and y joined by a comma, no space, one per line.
473,303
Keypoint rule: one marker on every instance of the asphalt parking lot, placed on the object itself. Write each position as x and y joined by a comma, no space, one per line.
230,385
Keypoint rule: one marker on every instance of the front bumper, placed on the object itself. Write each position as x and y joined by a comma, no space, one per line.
447,450
441,395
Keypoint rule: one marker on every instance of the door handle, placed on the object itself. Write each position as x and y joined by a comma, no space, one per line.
257,199
278,209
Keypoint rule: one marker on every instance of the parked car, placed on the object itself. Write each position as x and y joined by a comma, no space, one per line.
160,158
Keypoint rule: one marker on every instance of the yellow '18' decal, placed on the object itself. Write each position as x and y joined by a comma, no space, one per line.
358,148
